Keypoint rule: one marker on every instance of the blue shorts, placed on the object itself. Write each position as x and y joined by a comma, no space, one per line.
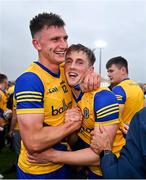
62,173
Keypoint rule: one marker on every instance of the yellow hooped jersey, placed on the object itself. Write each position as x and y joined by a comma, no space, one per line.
3,106
97,107
38,90
131,97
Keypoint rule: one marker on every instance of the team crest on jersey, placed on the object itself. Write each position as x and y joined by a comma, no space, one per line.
86,113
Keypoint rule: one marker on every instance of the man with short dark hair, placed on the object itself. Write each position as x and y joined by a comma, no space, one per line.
129,94
43,97
98,107
44,100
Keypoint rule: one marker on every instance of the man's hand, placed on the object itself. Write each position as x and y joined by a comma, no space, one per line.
1,128
100,140
73,115
41,158
73,118
90,82
125,128
10,133
7,114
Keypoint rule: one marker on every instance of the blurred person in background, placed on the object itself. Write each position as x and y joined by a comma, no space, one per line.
14,132
129,95
5,113
11,85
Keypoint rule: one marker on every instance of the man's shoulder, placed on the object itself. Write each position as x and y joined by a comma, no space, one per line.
99,90
28,81
104,95
127,83
27,76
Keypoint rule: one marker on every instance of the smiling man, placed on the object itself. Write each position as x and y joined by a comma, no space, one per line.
99,106
129,94
43,96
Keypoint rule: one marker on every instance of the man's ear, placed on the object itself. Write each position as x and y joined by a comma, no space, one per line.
91,68
36,44
123,70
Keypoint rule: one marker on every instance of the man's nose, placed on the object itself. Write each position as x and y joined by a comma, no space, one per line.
72,65
63,43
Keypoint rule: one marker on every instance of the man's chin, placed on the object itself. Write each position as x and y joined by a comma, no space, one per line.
60,60
72,84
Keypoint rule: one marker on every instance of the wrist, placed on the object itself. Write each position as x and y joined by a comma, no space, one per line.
55,157
104,153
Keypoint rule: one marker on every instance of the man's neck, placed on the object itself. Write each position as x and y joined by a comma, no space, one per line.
124,78
52,67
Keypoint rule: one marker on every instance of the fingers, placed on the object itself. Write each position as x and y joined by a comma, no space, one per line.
100,139
73,114
92,133
101,128
125,128
96,81
84,84
91,82
31,158
124,131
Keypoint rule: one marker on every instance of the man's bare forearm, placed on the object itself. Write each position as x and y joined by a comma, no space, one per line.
46,137
81,157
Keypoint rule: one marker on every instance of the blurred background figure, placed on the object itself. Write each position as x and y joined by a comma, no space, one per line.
14,133
5,113
129,94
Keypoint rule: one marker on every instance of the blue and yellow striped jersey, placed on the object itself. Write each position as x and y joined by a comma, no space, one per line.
131,97
99,106
38,90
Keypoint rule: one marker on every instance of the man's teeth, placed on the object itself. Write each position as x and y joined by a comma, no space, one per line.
61,53
73,74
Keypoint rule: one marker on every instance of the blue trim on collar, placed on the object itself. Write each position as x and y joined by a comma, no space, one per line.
125,79
47,70
77,87
79,97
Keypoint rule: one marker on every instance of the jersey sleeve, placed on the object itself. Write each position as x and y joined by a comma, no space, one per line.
106,108
29,94
120,94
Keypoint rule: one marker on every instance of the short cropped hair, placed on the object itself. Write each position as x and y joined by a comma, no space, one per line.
79,47
45,19
3,77
119,61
